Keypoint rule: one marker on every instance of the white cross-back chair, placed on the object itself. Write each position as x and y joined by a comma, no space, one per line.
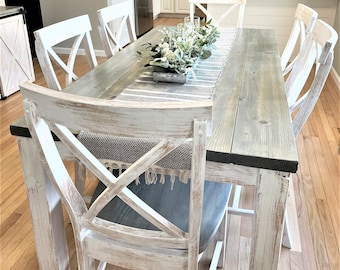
112,21
75,30
227,7
304,20
317,52
133,226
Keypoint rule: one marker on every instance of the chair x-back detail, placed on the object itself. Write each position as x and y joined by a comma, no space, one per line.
317,52
149,226
227,8
76,30
304,20
112,21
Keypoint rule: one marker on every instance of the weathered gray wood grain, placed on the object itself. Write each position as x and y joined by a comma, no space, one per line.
251,122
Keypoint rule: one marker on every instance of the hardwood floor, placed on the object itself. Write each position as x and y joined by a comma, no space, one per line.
316,193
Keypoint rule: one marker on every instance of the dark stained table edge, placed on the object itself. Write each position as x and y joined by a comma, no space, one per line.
260,162
256,162
19,128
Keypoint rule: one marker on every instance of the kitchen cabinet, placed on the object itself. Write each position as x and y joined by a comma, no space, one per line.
175,6
167,6
156,8
16,64
182,6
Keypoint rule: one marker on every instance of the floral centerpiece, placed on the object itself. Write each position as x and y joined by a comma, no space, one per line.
180,48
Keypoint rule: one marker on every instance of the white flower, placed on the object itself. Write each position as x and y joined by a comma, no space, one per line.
182,46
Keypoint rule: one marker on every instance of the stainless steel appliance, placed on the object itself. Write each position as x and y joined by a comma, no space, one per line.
143,16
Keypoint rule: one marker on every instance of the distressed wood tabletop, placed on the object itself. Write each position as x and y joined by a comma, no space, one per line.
251,121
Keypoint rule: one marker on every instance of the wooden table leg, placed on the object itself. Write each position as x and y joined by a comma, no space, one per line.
46,210
271,196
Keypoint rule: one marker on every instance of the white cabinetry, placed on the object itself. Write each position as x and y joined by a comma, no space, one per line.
175,6
182,6
15,55
167,6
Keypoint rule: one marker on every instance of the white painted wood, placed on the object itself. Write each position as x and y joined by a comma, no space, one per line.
217,253
113,21
45,210
175,122
305,18
167,6
226,122
270,200
114,26
291,234
219,10
182,6
156,4
15,54
174,6
231,173
78,29
279,18
318,48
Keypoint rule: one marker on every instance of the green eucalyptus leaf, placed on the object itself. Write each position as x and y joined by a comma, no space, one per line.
206,54
181,46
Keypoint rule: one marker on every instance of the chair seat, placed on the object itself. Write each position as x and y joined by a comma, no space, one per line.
169,202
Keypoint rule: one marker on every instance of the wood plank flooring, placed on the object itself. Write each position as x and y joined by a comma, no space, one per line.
316,193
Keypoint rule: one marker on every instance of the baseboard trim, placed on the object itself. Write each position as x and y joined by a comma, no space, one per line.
172,15
335,77
62,50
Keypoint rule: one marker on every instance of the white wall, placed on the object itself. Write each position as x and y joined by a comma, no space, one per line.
156,4
279,16
55,11
2,2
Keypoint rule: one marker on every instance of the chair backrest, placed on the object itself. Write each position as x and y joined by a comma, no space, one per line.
112,22
226,8
304,20
173,123
317,49
76,30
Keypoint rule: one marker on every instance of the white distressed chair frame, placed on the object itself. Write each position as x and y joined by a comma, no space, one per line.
233,5
46,38
304,20
118,13
317,49
45,111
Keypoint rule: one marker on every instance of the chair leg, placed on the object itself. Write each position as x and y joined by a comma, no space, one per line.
236,210
219,254
291,233
224,231
286,237
102,266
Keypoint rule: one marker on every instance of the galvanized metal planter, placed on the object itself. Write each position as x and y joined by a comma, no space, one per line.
169,77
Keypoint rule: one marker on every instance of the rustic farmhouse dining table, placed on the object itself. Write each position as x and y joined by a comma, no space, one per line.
252,140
